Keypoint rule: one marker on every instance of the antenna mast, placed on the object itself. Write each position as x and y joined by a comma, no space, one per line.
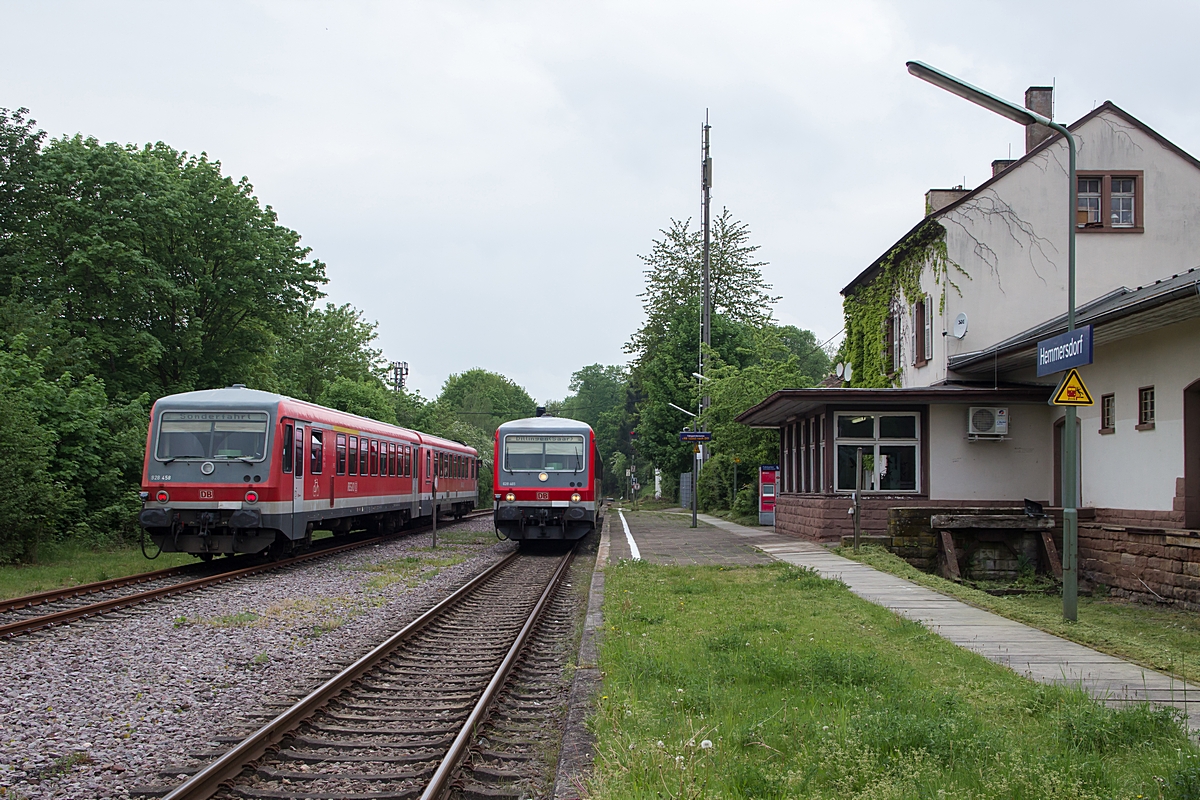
706,199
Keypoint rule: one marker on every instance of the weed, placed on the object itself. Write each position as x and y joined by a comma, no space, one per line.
261,658
64,764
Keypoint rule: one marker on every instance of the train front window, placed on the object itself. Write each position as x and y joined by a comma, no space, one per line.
529,453
212,435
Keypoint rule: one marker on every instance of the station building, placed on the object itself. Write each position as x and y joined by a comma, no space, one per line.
941,389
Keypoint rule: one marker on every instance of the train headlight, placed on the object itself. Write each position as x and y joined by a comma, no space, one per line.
162,496
510,497
575,497
543,477
251,497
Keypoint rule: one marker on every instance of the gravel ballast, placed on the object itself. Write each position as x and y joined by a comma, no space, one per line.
100,707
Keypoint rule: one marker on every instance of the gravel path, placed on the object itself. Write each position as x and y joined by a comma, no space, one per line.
97,708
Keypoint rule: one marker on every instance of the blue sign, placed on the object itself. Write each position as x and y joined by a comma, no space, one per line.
1070,350
695,436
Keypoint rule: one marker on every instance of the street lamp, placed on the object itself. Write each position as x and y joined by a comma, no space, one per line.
1024,116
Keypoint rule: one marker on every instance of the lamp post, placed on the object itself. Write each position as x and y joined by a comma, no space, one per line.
1070,480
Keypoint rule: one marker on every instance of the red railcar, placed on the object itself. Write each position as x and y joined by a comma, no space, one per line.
547,479
240,471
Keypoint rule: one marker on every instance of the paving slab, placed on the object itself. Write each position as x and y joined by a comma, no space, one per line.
1037,655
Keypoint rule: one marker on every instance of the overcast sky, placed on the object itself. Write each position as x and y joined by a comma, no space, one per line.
481,177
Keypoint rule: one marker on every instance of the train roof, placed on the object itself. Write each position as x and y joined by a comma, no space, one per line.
240,398
545,424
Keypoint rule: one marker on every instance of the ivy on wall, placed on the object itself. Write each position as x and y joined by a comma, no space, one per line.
896,284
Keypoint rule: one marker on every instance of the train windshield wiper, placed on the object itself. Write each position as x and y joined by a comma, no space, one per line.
174,458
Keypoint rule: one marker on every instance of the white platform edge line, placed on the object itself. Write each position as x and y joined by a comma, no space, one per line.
633,548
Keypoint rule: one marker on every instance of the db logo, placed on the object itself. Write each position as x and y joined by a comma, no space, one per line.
206,494
543,495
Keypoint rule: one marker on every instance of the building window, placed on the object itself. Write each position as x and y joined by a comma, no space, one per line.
1122,203
891,451
1109,202
1108,414
1145,409
1088,210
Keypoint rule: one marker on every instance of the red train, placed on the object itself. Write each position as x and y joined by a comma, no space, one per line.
547,479
242,471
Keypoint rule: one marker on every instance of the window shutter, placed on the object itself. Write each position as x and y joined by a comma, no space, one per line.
928,303
897,355
913,314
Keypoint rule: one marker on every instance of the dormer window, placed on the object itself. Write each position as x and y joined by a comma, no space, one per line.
1109,202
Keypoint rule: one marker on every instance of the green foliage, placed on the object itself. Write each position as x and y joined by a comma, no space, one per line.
72,458
896,284
169,275
485,399
367,398
319,346
600,397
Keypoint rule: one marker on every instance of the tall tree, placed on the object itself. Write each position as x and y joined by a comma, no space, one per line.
674,278
600,397
170,275
321,345
485,399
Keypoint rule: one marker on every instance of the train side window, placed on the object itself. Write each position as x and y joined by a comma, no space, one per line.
287,447
353,469
298,450
428,469
316,452
341,454
408,461
392,459
374,457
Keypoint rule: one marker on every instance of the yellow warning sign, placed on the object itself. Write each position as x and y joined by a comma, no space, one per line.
1072,392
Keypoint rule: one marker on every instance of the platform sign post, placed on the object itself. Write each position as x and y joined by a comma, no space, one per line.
695,438
766,493
1069,351
435,509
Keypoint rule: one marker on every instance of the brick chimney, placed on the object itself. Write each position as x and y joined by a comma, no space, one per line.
937,199
1001,164
1041,100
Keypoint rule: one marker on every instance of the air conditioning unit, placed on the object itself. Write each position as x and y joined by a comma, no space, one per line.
987,421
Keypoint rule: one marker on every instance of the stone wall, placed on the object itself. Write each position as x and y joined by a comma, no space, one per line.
1149,564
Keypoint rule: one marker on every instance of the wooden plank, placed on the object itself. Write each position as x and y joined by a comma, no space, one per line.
1052,554
951,556
1010,522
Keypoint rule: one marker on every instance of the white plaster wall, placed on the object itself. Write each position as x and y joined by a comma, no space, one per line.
1132,469
1012,241
1009,470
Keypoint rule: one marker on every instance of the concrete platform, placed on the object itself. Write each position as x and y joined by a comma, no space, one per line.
1039,656
668,538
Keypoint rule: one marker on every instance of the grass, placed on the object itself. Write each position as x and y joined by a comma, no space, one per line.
771,682
71,566
468,538
1157,637
409,570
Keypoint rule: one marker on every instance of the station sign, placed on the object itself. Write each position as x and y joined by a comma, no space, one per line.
1066,351
695,436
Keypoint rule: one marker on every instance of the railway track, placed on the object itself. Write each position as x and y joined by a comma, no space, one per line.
22,615
398,722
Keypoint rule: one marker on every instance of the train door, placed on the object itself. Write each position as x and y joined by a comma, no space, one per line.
300,453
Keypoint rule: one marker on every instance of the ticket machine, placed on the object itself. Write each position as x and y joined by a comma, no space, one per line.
766,494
